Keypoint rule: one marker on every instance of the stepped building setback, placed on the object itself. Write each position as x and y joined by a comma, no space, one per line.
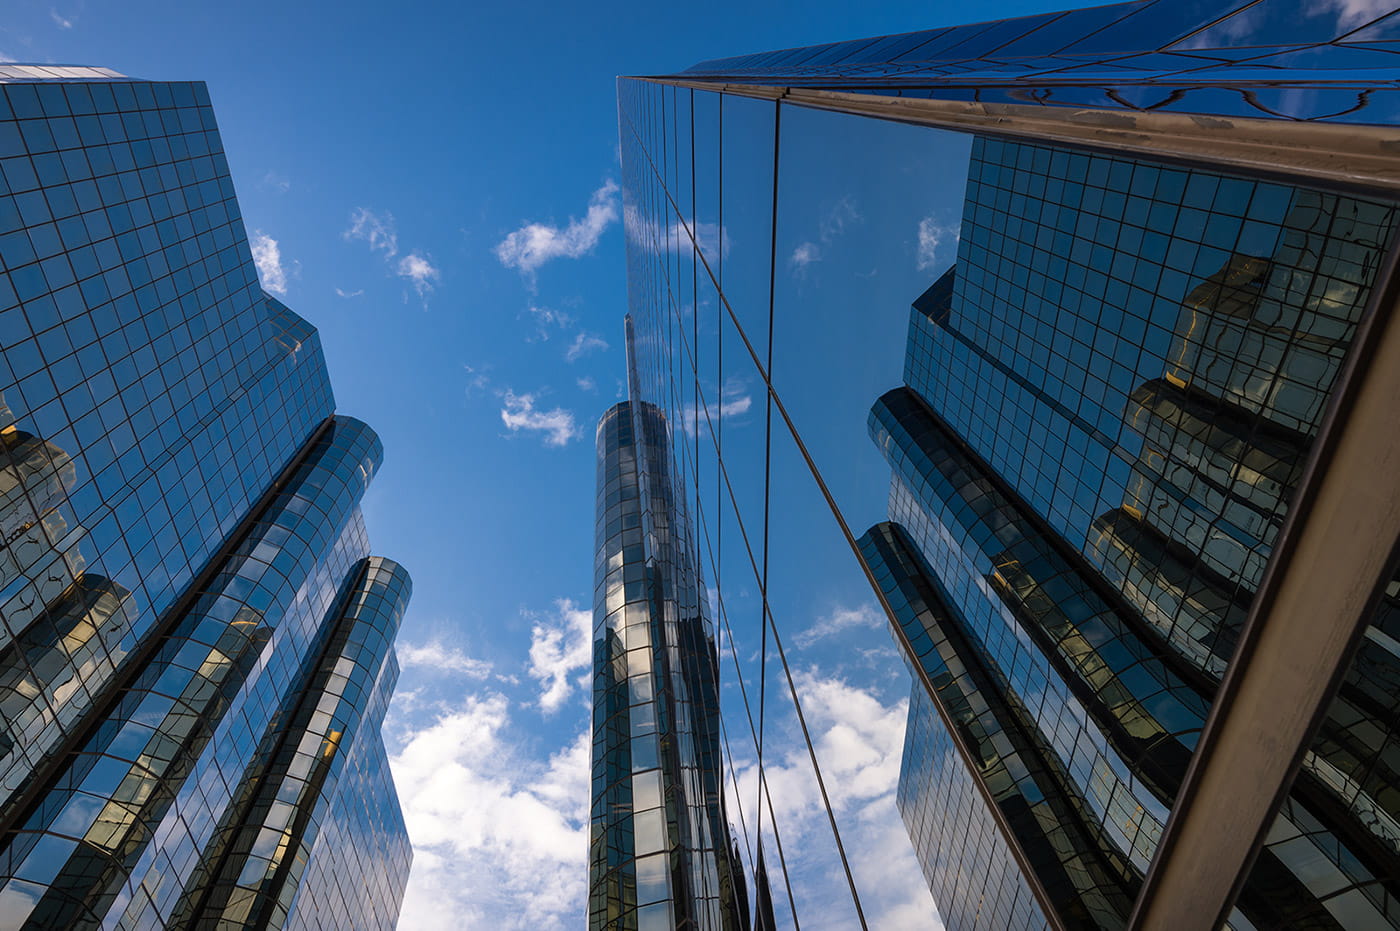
1142,526
196,645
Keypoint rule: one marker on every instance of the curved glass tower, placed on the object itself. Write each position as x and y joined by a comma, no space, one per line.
660,855
195,642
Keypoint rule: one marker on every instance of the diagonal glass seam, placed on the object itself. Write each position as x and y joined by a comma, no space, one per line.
1022,859
752,727
758,576
763,778
1209,24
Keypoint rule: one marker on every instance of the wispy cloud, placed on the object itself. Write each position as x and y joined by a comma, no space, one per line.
560,648
805,254
272,181
534,244
832,224
1352,13
583,344
646,233
477,379
734,401
420,273
500,837
933,237
268,259
437,656
380,232
839,620
374,228
837,217
340,292
586,383
557,424
63,22
547,320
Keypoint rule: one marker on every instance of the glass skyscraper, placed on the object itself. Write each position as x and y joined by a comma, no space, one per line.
660,853
196,646
1141,515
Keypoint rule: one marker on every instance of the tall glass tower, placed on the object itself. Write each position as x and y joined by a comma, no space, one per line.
660,851
196,646
1121,587
1142,524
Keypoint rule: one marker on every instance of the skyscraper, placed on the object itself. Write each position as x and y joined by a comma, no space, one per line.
1142,530
659,851
1138,608
197,646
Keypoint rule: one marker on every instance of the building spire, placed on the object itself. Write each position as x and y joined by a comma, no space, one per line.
634,388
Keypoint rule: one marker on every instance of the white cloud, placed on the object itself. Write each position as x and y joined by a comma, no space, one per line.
805,254
547,319
841,619
268,258
1349,14
63,22
832,224
586,383
557,424
582,345
500,838
435,655
1353,13
835,220
859,742
932,236
734,406
343,293
657,238
379,231
375,229
419,271
734,401
534,244
477,379
561,647
272,181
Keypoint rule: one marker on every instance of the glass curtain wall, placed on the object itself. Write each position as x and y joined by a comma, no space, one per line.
1092,382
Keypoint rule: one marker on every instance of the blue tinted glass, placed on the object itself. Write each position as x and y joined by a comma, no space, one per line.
1280,22
1338,57
953,37
1072,26
1382,29
840,52
998,35
1153,26
895,48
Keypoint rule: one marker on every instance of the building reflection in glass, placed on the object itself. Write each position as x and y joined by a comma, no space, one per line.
1129,618
660,855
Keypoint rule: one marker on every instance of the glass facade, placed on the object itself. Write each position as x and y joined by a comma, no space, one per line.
1113,401
660,855
1267,59
1095,454
196,647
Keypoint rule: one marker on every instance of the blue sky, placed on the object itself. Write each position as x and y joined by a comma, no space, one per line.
435,188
